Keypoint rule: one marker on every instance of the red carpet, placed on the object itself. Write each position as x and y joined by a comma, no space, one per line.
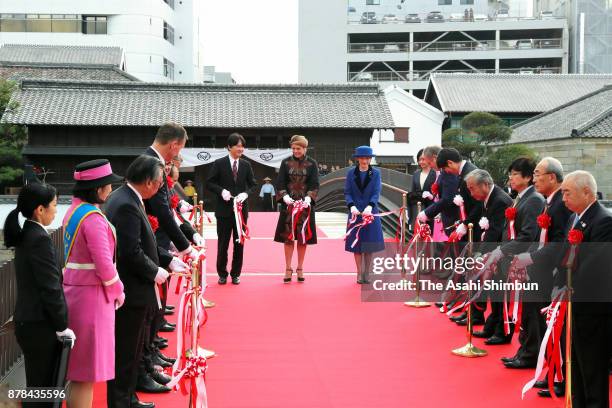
316,345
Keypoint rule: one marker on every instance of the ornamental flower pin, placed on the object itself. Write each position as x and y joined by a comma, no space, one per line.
458,200
510,213
170,182
484,223
174,201
435,188
575,236
544,221
154,222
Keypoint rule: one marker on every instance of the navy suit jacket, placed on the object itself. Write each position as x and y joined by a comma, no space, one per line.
448,185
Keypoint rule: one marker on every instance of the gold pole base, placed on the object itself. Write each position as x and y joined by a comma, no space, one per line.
209,353
469,350
208,304
417,302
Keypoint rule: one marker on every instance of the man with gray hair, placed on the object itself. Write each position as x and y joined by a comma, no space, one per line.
591,224
430,154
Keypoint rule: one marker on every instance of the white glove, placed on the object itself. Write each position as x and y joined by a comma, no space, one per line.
288,200
66,333
354,210
184,206
367,210
198,239
120,301
521,261
307,201
458,200
176,265
484,223
190,252
226,195
427,195
461,230
161,276
494,256
241,197
422,217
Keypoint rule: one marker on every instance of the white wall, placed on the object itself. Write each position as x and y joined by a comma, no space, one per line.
134,25
423,120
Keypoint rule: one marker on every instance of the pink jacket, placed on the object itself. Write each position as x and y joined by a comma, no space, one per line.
92,255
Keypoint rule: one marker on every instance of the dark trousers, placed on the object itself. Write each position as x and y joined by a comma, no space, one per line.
590,360
130,334
267,202
495,321
41,351
226,228
533,327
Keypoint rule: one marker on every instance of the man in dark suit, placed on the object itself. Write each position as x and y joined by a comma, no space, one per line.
138,263
420,191
592,291
540,261
524,229
231,178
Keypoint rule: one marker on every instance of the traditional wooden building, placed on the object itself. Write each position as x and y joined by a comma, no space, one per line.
71,121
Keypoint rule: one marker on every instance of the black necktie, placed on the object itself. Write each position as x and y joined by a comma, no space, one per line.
235,170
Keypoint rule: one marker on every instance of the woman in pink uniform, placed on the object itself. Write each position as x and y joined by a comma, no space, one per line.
91,284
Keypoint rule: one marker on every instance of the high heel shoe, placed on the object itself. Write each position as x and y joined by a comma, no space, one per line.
300,275
288,279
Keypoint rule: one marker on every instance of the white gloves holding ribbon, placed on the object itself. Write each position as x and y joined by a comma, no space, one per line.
422,217
493,257
427,195
184,207
176,265
367,210
226,195
161,276
523,260
354,210
66,333
461,230
307,201
190,252
458,200
288,200
241,197
120,301
198,239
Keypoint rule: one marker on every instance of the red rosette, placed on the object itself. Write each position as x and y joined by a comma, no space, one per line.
510,213
170,182
424,231
544,221
575,236
154,222
174,201
435,189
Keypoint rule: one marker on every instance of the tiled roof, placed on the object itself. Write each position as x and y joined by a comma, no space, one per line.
61,54
588,116
223,106
510,93
20,71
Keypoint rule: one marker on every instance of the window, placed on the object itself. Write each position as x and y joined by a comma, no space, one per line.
65,23
466,2
445,2
40,23
170,3
94,25
168,33
168,69
372,2
12,22
401,135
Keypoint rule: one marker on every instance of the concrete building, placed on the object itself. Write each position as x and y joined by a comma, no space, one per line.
161,38
363,45
578,133
212,76
591,38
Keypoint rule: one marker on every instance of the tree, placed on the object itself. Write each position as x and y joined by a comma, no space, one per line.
497,162
12,137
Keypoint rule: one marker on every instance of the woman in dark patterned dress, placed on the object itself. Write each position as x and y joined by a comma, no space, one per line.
297,185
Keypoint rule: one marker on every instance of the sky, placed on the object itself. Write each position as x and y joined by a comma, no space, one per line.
256,41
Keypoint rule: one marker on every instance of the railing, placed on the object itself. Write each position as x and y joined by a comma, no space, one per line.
10,353
476,19
445,46
423,75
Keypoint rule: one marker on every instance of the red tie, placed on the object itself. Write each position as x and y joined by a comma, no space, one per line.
235,170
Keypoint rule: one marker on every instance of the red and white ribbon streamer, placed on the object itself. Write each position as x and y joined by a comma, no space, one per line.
241,227
366,219
297,209
458,200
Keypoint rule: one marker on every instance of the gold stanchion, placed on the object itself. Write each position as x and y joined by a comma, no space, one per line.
568,341
417,302
402,238
469,350
201,208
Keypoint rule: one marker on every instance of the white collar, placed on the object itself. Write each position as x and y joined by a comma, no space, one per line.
161,158
137,193
41,226
550,196
522,193
232,160
461,166
586,209
489,195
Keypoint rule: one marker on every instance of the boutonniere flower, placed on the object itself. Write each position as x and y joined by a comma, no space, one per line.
575,236
458,200
174,201
510,213
154,222
544,221
170,182
435,188
484,223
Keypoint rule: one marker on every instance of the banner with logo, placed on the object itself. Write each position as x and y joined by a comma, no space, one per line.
197,156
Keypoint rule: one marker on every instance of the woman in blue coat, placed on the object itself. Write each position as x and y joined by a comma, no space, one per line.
361,191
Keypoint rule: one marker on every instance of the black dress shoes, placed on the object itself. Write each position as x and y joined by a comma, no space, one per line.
168,311
559,389
541,384
166,328
475,322
169,307
222,281
458,317
482,334
135,403
166,358
520,363
236,280
147,384
439,304
157,360
160,377
496,340
509,359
